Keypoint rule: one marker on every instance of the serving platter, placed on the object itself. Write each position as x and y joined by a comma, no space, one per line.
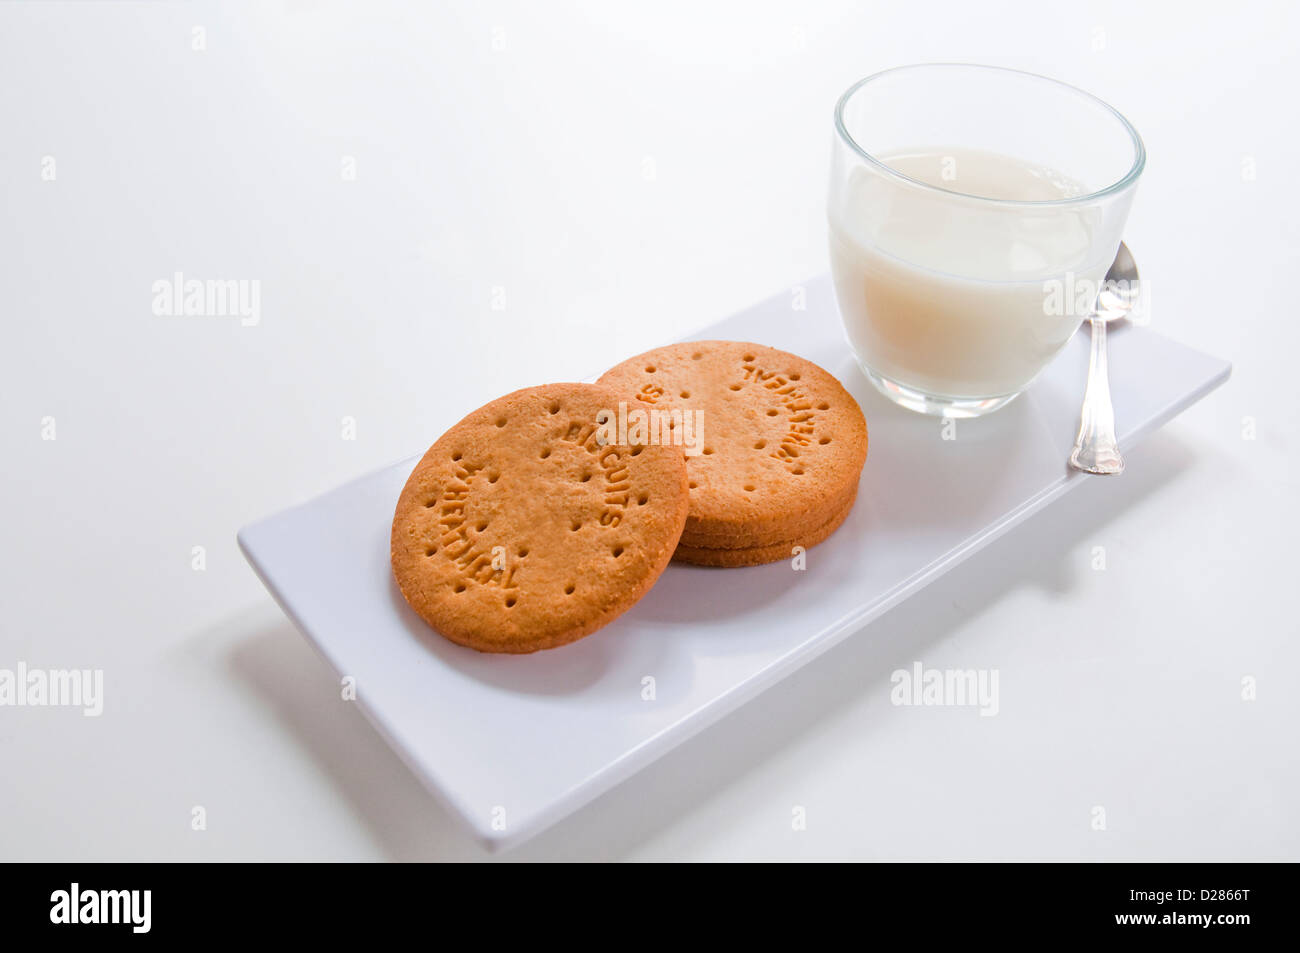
513,744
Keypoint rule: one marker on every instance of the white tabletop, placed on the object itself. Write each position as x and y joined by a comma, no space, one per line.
443,205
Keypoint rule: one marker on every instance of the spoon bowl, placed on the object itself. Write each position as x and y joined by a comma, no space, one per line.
1120,290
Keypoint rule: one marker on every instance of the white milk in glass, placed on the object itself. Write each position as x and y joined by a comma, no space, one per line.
947,294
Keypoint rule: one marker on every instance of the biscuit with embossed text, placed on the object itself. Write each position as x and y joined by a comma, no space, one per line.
527,526
783,443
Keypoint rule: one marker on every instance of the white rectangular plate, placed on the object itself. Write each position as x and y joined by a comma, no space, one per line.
513,744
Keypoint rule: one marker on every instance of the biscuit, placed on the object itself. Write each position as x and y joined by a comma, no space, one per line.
521,530
757,555
783,443
743,538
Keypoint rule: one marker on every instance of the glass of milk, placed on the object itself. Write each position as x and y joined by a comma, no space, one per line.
973,213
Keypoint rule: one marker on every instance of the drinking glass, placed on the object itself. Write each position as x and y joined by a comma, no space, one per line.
973,212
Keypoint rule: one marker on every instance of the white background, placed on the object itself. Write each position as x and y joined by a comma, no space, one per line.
624,176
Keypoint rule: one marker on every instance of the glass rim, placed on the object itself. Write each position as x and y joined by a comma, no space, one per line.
1129,178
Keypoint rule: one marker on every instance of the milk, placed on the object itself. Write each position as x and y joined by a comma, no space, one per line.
944,293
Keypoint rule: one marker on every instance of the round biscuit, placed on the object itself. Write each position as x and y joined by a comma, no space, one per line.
521,530
781,442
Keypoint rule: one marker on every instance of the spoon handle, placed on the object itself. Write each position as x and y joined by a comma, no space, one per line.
1095,448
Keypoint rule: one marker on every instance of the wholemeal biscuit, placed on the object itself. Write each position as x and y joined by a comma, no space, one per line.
525,526
757,555
742,538
783,443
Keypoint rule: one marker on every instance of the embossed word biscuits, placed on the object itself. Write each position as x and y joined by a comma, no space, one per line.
783,445
527,525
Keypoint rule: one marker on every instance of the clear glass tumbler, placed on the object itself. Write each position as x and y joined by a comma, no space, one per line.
973,212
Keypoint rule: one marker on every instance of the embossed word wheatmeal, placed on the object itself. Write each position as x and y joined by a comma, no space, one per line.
525,526
784,446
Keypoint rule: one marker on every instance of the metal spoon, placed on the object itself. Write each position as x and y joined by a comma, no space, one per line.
1095,448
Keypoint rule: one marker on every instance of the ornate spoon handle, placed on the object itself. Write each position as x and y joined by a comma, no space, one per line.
1095,448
